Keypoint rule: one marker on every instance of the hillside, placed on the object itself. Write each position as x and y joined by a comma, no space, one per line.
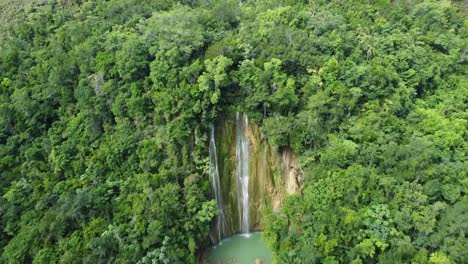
106,109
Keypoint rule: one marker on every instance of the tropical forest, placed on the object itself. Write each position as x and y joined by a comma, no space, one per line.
233,131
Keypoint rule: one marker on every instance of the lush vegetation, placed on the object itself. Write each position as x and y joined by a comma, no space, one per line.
105,108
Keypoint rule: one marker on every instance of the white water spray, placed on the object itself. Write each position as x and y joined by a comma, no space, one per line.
242,179
215,184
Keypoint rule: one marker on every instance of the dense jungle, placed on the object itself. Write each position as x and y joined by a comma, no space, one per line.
106,109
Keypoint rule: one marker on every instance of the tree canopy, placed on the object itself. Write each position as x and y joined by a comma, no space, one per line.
105,108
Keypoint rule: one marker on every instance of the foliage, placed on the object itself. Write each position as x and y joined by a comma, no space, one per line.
105,107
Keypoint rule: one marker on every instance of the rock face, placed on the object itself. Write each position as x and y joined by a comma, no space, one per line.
272,175
291,171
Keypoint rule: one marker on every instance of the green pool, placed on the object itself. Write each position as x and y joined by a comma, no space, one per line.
241,249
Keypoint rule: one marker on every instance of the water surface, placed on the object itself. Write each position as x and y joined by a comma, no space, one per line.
241,249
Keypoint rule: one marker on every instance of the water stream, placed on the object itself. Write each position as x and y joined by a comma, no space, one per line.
242,179
215,184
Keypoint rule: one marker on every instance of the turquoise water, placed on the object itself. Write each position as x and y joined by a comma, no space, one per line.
241,249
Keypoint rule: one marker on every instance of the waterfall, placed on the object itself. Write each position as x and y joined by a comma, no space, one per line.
241,171
242,179
215,184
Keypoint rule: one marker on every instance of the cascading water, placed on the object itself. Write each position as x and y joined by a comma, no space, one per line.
242,174
215,184
242,179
